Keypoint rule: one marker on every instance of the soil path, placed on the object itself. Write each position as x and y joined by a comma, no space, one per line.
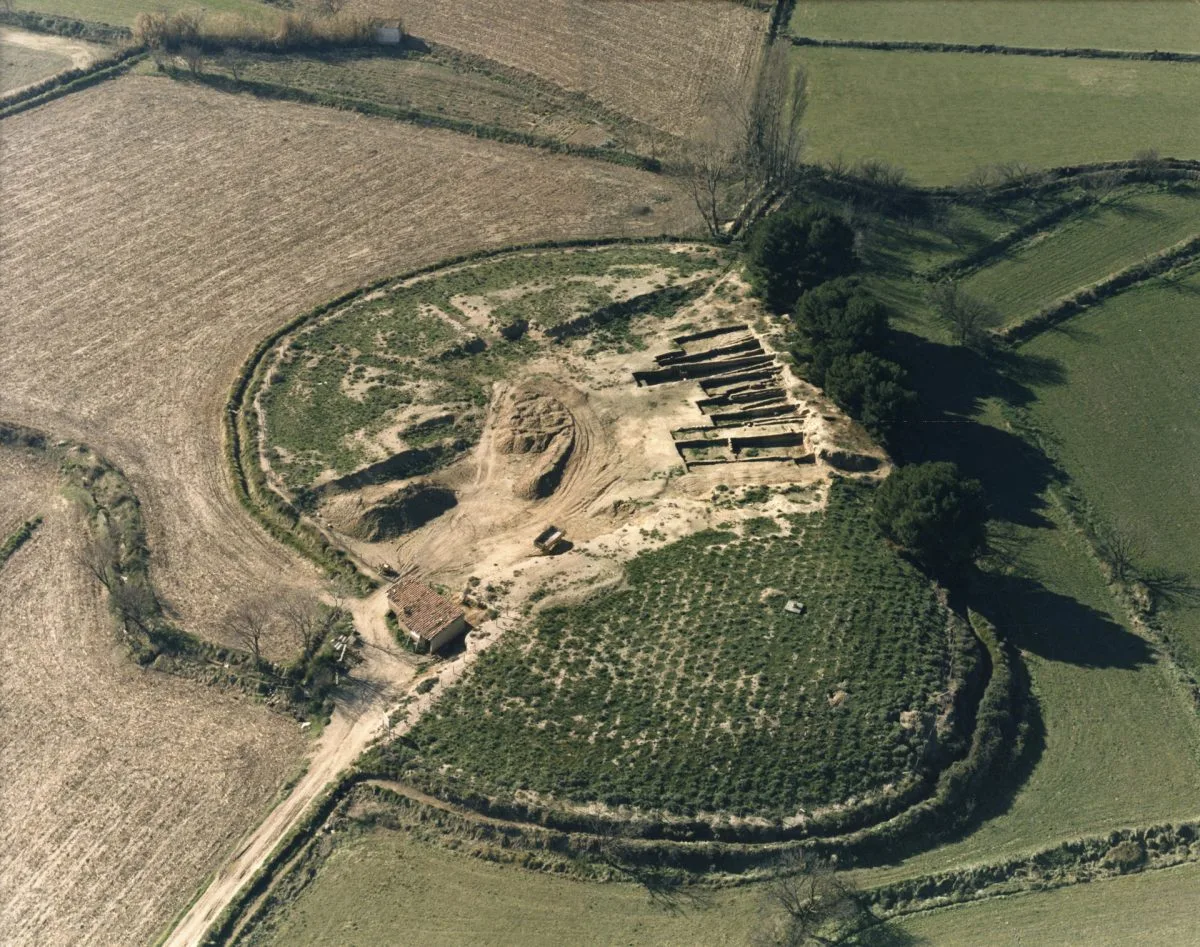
359,719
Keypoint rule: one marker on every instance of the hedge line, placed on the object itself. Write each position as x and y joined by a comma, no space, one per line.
67,77
275,514
225,924
963,265
87,77
1076,52
270,90
18,538
1089,296
65,26
1077,861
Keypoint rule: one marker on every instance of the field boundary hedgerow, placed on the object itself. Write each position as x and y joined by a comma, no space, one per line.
72,80
915,46
119,559
286,93
20,536
71,27
278,516
1181,254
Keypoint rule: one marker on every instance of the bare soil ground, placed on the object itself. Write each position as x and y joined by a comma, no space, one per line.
119,787
26,58
665,63
154,231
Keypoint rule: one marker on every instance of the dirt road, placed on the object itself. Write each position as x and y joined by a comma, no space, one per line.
378,683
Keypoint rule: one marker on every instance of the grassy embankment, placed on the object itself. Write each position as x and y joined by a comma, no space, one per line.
1146,909
1104,24
992,109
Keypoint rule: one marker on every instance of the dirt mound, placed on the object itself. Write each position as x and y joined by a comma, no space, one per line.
392,515
537,423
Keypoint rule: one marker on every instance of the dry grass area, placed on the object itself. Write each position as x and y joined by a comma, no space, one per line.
26,58
124,787
154,231
665,63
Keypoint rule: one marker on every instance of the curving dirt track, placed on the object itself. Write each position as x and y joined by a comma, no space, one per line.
666,62
154,231
119,787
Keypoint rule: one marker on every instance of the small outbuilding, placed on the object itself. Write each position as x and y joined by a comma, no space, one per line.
549,540
431,621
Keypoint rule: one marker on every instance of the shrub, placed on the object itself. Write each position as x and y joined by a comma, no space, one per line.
932,512
837,318
871,390
797,250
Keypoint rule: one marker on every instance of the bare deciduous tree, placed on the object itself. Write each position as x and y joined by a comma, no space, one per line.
809,903
967,317
99,556
307,620
710,169
772,121
247,624
193,56
1121,550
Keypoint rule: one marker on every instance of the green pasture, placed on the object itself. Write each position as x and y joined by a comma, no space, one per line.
349,374
1104,239
1105,24
1151,909
1115,743
691,688
124,12
1127,425
384,887
941,115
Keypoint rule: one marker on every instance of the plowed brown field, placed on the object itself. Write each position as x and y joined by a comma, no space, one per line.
665,62
119,788
154,231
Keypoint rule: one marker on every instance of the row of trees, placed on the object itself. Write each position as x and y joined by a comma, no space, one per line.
800,261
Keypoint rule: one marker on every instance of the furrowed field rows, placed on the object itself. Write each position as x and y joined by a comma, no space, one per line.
991,109
1105,239
124,12
665,63
154,231
119,787
1106,24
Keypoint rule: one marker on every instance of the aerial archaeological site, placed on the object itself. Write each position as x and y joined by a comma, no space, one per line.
600,472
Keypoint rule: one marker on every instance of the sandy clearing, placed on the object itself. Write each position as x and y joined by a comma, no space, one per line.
665,63
80,54
154,231
118,787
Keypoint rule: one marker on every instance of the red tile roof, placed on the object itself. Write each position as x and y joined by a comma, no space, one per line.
420,609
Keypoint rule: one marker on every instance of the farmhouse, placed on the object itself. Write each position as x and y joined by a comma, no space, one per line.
430,620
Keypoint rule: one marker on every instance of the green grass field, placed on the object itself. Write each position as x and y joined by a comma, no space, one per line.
941,115
124,12
21,66
1121,746
385,887
689,690
1099,242
1152,908
1107,24
1128,422
350,376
